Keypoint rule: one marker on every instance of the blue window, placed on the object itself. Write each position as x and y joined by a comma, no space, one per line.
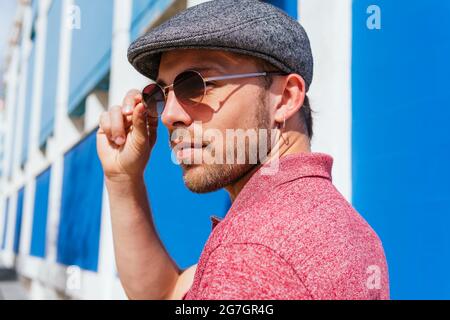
401,138
181,217
5,224
50,71
38,236
19,214
91,51
145,12
81,205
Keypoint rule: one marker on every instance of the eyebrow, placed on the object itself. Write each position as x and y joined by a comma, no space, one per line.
199,69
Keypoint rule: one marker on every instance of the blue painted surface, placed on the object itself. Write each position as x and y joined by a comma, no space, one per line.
91,49
39,231
5,224
18,225
50,71
288,6
81,204
401,140
144,12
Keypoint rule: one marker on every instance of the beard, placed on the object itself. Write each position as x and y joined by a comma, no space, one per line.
204,178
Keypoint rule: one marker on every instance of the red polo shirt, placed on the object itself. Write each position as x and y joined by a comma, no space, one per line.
292,235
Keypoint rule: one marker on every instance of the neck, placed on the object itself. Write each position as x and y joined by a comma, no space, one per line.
298,143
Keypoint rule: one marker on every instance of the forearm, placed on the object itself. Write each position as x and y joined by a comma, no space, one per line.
146,270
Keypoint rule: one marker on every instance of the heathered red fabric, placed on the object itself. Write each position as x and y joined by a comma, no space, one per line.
292,235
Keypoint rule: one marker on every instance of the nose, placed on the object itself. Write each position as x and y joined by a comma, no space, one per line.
174,115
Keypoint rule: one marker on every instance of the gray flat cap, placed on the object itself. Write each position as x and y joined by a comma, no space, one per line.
249,27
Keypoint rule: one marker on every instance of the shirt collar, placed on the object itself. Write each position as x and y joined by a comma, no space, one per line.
296,166
290,168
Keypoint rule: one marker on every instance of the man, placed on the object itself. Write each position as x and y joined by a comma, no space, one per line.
289,233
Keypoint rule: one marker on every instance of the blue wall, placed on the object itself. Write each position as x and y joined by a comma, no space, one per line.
401,140
288,6
18,224
39,231
81,205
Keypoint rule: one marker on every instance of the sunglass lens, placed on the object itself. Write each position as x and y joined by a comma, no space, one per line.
189,88
154,100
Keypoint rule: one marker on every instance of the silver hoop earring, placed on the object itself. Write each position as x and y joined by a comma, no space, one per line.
286,141
284,124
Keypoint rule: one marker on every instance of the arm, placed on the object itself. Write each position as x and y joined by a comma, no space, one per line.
146,270
124,145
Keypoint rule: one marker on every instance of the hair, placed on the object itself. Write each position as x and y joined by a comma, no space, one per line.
305,111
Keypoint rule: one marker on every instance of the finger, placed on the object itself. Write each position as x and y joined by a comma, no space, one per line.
132,98
105,124
152,128
128,121
117,125
140,124
152,121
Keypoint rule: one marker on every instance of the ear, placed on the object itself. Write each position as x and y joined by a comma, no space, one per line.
293,94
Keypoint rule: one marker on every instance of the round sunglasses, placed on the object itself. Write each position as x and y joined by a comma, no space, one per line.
189,88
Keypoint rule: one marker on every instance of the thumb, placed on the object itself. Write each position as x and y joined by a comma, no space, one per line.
139,119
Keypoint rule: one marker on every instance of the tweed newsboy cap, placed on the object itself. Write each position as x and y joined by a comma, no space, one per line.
249,27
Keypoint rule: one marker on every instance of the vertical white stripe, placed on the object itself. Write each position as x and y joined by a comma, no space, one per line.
328,24
56,150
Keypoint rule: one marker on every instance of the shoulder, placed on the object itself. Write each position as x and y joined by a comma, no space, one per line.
337,251
249,271
333,251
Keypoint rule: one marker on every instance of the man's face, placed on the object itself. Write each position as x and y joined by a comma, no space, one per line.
228,104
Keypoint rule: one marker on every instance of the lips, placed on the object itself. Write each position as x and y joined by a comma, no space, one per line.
185,150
